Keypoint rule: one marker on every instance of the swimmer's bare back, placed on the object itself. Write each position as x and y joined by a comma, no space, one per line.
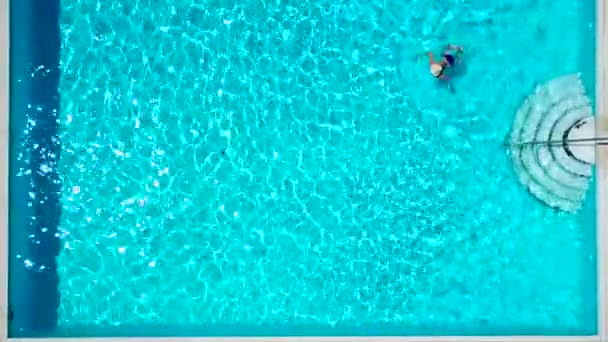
435,64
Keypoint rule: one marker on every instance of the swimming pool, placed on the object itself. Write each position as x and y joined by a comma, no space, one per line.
276,168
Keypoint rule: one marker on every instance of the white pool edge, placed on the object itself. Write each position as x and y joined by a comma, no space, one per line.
4,130
602,217
601,126
335,339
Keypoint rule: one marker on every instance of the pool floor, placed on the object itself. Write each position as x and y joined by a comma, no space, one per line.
273,168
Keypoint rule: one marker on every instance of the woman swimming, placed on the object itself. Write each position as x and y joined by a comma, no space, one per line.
451,55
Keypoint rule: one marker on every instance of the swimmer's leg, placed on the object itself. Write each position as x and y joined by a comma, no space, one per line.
456,51
454,47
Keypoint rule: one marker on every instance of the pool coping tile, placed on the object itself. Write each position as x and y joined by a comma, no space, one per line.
601,112
602,217
4,129
336,339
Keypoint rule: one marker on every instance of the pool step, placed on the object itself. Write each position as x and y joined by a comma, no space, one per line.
552,167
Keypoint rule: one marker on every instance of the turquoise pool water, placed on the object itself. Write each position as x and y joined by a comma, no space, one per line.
291,168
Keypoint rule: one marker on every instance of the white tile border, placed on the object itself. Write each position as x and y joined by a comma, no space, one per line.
4,130
602,217
601,126
327,339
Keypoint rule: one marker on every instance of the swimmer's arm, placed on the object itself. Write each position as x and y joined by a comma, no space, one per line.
444,77
431,59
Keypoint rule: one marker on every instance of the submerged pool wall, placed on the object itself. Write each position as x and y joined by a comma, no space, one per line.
34,186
